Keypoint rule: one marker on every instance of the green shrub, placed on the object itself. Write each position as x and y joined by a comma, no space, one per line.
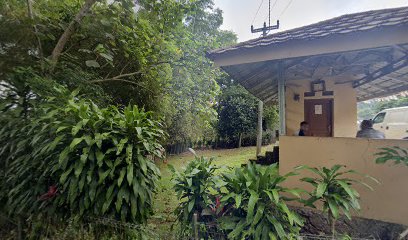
334,190
78,159
255,206
193,186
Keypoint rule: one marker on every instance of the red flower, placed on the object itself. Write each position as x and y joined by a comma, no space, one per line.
52,191
217,205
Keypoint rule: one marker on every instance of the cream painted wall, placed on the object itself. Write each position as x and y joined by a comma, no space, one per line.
344,104
388,202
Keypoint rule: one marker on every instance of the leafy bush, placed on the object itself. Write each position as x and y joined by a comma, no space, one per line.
396,154
193,187
79,159
256,205
334,190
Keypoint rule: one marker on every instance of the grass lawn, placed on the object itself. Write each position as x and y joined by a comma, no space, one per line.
166,201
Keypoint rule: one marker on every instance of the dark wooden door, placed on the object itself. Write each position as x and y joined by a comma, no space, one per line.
319,115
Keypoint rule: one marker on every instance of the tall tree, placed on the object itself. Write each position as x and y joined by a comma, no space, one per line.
237,111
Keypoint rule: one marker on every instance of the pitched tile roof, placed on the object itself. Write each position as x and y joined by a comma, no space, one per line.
357,22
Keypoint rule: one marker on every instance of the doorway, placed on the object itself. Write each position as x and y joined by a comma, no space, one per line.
319,115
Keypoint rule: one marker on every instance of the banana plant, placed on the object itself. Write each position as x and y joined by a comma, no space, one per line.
334,189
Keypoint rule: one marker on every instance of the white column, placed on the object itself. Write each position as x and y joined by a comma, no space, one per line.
259,129
281,99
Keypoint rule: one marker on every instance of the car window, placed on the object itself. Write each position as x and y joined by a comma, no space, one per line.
379,118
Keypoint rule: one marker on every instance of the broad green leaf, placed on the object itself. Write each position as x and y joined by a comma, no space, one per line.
133,206
347,188
63,157
191,205
129,153
333,208
61,129
251,205
119,200
107,204
129,175
121,176
79,166
76,128
92,190
64,175
238,229
110,191
142,163
84,155
278,226
103,175
99,157
275,195
321,189
121,145
75,142
92,63
258,215
238,200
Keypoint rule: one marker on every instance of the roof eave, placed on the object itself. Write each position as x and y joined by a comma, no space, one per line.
379,37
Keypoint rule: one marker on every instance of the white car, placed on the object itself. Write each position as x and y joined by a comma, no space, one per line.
393,122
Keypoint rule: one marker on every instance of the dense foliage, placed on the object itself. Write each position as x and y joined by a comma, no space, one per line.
149,53
334,189
259,209
78,159
64,155
247,203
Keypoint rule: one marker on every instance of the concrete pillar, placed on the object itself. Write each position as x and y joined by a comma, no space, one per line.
281,99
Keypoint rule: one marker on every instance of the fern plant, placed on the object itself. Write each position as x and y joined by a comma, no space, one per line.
334,189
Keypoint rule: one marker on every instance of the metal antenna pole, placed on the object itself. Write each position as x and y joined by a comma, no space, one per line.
265,29
269,13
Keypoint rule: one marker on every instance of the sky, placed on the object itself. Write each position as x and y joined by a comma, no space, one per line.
240,14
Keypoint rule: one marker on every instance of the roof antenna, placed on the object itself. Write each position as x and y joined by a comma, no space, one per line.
265,29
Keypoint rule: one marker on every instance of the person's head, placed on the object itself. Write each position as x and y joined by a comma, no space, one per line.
366,124
304,126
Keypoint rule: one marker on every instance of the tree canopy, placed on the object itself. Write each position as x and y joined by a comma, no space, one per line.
151,54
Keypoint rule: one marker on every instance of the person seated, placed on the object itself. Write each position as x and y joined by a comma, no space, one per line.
304,128
367,131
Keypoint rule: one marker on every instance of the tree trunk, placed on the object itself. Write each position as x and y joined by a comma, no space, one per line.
240,140
69,31
332,222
